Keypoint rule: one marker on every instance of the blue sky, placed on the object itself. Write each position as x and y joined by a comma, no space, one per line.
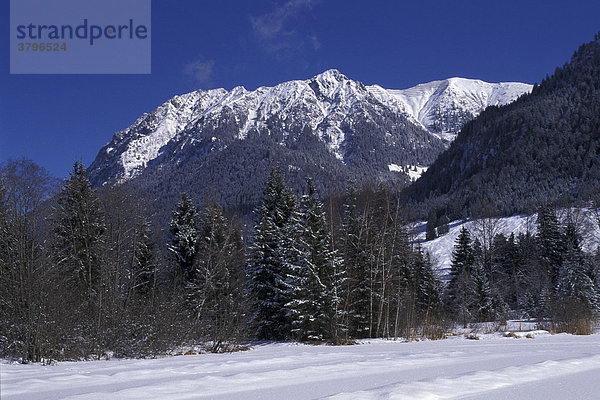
201,44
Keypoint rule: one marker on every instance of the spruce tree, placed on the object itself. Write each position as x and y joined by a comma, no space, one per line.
274,259
510,269
430,231
427,285
550,243
532,275
80,228
574,280
142,266
483,303
483,300
184,235
317,301
460,291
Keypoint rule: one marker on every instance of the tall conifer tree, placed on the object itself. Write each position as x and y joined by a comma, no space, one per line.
80,228
184,235
274,259
460,291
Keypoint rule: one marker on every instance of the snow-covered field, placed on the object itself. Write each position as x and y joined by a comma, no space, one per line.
494,367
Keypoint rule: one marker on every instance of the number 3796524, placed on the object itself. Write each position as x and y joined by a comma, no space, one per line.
23,46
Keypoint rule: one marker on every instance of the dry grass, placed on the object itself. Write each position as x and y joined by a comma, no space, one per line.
575,326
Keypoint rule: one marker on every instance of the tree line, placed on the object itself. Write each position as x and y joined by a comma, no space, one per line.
88,273
547,276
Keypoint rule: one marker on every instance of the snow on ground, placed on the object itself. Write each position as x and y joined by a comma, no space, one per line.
494,367
440,249
414,171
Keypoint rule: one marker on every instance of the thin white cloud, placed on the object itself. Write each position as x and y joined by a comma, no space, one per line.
314,41
201,70
274,29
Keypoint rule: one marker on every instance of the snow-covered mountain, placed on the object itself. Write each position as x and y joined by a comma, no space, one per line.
335,112
329,127
443,107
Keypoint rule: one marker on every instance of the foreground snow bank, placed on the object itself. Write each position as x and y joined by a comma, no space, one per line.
494,367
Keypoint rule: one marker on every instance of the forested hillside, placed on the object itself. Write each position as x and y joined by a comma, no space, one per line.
544,147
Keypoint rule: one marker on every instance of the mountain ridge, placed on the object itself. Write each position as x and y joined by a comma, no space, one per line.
147,138
221,145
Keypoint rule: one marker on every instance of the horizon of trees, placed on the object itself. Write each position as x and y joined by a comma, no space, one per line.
86,273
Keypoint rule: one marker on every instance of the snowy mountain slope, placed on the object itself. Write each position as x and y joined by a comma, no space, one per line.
441,248
222,145
443,107
546,367
135,146
330,106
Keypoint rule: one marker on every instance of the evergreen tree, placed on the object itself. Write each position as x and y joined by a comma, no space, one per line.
550,243
430,231
510,269
184,235
142,267
79,229
483,301
317,301
460,291
274,259
534,276
428,287
574,280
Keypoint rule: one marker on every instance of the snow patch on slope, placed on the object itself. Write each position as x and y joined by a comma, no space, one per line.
414,171
441,248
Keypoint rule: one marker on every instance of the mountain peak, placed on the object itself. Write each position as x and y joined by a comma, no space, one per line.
444,106
331,74
330,77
